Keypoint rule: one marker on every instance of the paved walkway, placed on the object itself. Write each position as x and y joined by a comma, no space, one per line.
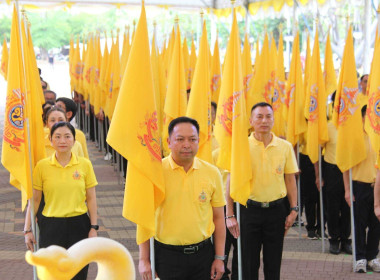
302,258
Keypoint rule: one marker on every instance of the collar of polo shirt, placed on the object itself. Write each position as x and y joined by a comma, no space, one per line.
73,160
174,165
273,142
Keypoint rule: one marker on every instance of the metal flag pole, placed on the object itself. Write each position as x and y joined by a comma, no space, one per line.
240,270
321,198
352,224
152,260
299,192
105,135
88,120
31,200
100,133
96,130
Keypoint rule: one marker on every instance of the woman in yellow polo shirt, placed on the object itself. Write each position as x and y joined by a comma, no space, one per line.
68,184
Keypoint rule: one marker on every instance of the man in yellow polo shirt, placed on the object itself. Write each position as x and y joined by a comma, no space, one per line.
191,213
265,218
363,179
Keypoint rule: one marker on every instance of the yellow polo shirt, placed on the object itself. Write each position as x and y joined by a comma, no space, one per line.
269,164
362,100
365,171
81,138
64,188
186,215
215,155
330,146
76,149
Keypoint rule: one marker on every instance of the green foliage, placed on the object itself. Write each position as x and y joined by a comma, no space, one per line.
5,28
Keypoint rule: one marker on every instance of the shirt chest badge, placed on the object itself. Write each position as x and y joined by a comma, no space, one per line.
279,170
202,197
76,175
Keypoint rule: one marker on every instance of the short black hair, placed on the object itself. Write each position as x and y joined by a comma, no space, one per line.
179,120
213,104
70,106
364,110
261,104
52,109
50,91
62,124
362,77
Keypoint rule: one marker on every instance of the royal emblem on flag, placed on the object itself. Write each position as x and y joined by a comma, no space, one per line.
14,121
373,111
313,106
150,137
227,117
246,81
289,95
215,82
347,104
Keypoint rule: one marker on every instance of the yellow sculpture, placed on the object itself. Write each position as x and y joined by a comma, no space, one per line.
113,259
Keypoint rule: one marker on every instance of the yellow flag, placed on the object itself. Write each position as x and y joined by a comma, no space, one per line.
186,63
134,134
176,97
216,74
102,78
88,69
294,98
156,83
125,53
193,60
96,86
247,65
315,106
329,73
278,99
231,124
81,67
169,51
22,107
76,67
350,147
199,106
261,84
4,60
115,79
307,65
372,122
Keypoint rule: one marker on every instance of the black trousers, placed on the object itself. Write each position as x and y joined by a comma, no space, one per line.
367,244
262,228
175,265
309,194
338,212
65,232
231,244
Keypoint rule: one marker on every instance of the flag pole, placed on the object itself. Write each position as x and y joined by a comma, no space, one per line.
321,198
31,200
352,224
299,191
152,260
240,272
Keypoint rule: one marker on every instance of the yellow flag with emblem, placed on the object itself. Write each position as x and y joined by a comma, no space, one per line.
186,63
278,99
176,97
329,71
102,78
294,98
154,56
4,60
23,107
247,65
315,106
350,146
134,134
216,74
372,122
307,68
231,123
193,60
199,107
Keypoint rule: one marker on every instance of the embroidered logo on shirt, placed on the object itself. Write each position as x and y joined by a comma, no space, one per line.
279,170
76,175
202,197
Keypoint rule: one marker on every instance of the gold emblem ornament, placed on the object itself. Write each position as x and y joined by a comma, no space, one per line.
76,175
279,170
202,197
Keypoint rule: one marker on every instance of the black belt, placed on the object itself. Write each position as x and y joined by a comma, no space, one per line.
252,203
186,249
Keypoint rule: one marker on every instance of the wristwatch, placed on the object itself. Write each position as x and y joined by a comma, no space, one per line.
222,258
95,227
296,208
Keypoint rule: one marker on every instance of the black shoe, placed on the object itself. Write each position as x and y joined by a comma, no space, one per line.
346,247
312,235
320,235
334,247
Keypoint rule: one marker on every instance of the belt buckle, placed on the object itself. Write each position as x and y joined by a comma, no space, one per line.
190,250
264,204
